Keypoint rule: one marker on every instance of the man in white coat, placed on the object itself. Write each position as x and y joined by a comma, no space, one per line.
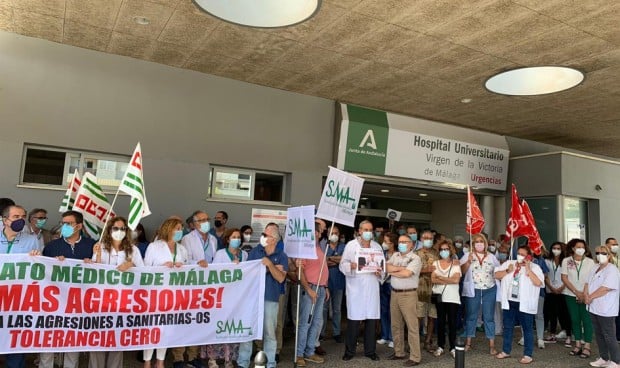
200,244
362,290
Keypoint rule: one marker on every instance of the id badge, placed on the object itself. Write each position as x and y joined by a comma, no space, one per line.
515,290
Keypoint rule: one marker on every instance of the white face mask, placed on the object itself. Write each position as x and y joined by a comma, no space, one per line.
134,235
492,248
333,238
580,251
385,246
465,250
118,235
614,248
520,258
458,245
602,258
263,241
556,252
247,237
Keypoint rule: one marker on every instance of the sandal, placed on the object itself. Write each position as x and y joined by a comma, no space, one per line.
468,347
576,351
585,353
526,360
492,351
502,355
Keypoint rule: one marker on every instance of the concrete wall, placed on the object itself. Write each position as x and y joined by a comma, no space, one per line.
449,216
64,96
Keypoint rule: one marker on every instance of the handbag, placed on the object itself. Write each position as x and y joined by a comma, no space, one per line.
436,298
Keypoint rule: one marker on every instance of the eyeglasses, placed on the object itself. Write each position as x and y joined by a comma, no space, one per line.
40,218
200,221
116,228
601,253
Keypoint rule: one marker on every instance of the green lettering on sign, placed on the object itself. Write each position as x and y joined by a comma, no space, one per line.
342,194
367,140
295,227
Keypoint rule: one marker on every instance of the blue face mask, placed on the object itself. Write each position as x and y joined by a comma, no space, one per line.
40,223
66,231
427,243
444,254
414,237
377,234
205,227
367,235
401,232
502,256
235,243
402,247
177,236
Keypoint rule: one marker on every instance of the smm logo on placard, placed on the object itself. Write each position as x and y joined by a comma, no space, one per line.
369,140
341,195
232,328
299,230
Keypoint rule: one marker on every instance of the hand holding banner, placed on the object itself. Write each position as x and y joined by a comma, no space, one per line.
340,197
299,239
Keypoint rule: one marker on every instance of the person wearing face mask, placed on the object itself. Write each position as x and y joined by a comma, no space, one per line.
246,233
492,248
555,303
612,244
14,241
401,230
575,270
362,295
404,267
335,284
540,318
37,218
428,255
71,245
138,238
412,232
168,251
220,220
601,295
232,254
389,242
276,262
521,283
479,290
200,243
115,248
445,278
458,245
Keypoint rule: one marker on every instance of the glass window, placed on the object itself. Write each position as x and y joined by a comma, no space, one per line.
44,166
243,184
575,218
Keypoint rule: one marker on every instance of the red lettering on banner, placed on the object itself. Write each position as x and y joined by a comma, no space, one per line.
59,338
17,298
49,294
81,202
136,160
140,336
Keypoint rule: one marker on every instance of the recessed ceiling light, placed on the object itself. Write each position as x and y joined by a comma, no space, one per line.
364,198
532,81
385,190
263,13
423,195
143,21
466,100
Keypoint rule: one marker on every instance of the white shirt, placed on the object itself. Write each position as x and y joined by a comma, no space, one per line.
606,305
198,249
158,253
528,292
362,289
221,256
489,263
577,272
449,292
555,274
118,258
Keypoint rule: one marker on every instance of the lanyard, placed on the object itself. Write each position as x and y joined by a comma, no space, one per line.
174,257
578,268
555,269
481,260
205,243
232,256
10,246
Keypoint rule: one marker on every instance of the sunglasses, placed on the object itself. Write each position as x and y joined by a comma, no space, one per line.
116,228
601,253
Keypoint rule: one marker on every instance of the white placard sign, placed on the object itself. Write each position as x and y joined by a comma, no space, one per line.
393,214
369,260
261,217
340,197
299,237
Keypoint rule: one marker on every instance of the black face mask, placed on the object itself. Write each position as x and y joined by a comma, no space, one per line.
217,223
18,225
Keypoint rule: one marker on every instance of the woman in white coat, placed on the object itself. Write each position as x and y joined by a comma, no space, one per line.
521,281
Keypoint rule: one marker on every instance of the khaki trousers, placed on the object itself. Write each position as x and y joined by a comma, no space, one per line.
403,309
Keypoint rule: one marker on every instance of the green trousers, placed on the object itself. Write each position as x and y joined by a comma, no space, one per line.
580,319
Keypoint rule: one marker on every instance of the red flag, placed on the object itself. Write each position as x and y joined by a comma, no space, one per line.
475,220
521,223
533,239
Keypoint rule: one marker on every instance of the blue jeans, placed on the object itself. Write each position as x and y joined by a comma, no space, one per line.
308,332
527,326
386,320
486,300
335,300
270,343
15,360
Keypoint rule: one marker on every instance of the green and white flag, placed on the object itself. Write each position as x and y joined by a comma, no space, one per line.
93,204
133,184
69,198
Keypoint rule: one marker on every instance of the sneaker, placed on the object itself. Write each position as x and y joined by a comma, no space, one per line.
550,339
453,353
561,335
438,352
521,342
541,344
315,359
382,341
391,344
300,362
600,362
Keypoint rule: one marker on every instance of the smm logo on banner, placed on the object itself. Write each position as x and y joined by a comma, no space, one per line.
367,141
231,328
342,194
298,227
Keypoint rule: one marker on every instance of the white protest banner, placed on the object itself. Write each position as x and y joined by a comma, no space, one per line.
299,239
340,197
69,197
52,306
393,214
369,260
93,204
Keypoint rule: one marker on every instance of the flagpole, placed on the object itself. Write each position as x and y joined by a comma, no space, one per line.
320,273
297,313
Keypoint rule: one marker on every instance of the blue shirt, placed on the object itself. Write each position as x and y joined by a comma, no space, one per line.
545,270
142,248
23,243
336,279
83,248
273,288
220,241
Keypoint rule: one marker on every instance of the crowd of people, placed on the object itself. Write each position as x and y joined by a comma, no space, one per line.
424,291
